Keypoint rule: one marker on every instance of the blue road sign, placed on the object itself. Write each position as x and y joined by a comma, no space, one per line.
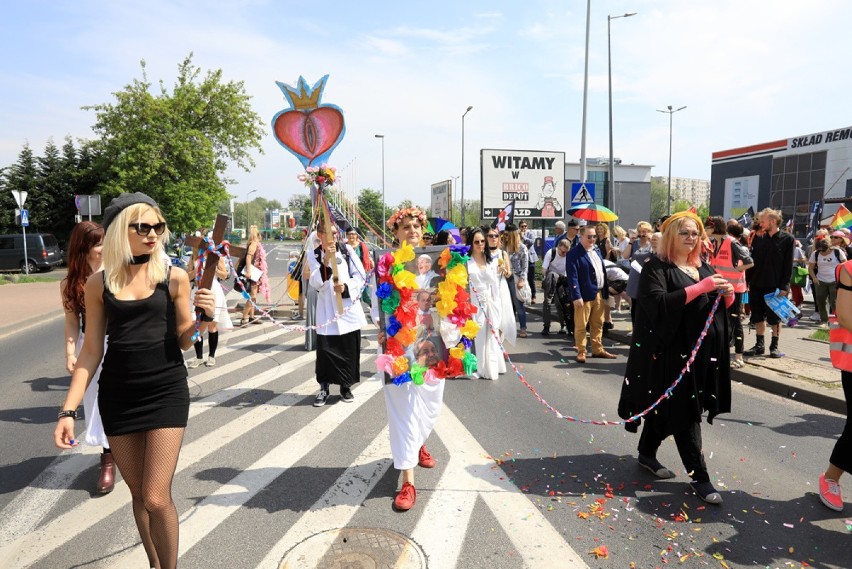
25,218
582,192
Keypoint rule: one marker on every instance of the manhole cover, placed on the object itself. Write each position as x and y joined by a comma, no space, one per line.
355,548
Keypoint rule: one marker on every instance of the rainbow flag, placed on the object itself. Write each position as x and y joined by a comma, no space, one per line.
842,219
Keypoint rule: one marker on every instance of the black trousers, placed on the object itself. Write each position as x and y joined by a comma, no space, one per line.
688,444
531,278
735,324
841,456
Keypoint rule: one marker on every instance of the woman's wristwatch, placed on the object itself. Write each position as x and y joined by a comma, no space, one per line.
67,413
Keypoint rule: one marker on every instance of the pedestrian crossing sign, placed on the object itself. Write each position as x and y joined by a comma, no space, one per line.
582,192
25,218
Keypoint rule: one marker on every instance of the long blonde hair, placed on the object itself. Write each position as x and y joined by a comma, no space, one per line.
512,241
117,255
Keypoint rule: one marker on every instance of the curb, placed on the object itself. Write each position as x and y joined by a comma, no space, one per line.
29,322
801,392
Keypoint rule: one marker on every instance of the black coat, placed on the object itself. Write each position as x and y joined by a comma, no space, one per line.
664,335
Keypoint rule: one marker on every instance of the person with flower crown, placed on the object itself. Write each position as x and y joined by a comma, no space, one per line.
412,407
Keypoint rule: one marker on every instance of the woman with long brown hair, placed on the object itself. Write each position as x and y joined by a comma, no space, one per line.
84,258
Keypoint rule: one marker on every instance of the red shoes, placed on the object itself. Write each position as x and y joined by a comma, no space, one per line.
425,459
406,498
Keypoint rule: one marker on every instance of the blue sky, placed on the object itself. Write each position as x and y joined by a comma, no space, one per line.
748,72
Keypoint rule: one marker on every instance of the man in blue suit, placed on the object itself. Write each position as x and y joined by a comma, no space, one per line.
587,288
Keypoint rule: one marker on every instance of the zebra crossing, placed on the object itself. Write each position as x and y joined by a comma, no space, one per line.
261,471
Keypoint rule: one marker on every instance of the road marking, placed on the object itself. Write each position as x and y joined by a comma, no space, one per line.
534,538
31,505
28,549
340,502
34,502
197,522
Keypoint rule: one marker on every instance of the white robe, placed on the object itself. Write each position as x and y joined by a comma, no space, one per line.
94,434
485,295
353,319
412,409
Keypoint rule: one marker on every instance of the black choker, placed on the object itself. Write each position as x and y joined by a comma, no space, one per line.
140,259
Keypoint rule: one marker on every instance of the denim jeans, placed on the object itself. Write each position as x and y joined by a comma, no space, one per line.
520,311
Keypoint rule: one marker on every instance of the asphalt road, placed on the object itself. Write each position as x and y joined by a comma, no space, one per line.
262,470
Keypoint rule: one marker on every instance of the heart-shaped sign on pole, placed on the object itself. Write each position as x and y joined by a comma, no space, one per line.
308,130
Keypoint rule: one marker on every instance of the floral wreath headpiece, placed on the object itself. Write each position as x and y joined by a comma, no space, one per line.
415,211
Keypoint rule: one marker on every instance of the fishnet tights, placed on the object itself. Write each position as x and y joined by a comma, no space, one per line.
147,462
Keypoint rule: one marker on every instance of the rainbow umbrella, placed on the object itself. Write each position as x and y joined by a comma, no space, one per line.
593,212
435,225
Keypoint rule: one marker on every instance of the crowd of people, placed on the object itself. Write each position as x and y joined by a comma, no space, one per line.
684,279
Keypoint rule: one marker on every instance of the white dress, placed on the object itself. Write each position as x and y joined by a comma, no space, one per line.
94,434
326,309
412,409
485,295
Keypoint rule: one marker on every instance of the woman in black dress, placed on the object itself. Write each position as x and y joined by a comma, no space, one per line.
142,304
676,293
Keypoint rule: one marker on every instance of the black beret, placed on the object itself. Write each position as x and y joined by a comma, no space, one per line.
122,201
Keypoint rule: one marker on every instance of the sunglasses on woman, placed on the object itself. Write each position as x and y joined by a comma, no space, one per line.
143,229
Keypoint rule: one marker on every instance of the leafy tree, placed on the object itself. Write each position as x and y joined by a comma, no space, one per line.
176,146
406,203
659,194
54,199
370,205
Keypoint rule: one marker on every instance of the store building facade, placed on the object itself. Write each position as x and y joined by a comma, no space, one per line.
789,175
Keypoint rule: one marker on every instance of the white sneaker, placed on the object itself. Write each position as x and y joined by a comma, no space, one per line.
211,361
193,363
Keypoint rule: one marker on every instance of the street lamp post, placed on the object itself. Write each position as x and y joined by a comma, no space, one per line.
669,195
384,213
248,225
585,96
611,184
461,223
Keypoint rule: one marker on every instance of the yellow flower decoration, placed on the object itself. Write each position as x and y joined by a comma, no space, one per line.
400,365
406,336
405,279
470,329
457,352
404,254
458,275
445,306
447,289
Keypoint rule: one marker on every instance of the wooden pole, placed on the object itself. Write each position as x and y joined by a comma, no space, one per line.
322,202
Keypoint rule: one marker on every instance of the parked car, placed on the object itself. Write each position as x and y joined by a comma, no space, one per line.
43,253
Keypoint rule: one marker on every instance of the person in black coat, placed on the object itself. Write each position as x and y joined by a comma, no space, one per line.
676,293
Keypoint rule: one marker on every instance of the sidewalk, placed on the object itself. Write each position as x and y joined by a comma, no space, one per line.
804,373
24,305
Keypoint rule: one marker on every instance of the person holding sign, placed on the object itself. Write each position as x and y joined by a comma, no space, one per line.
338,341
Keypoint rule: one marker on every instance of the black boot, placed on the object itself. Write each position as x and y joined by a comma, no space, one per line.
759,348
773,348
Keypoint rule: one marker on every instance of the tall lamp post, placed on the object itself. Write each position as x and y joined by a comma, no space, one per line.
461,222
248,225
384,213
670,112
611,184
585,96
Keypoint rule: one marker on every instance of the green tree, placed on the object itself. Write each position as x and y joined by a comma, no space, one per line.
659,193
370,205
22,176
176,146
55,193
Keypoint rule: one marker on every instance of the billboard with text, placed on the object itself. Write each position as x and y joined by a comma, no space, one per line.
441,199
534,179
